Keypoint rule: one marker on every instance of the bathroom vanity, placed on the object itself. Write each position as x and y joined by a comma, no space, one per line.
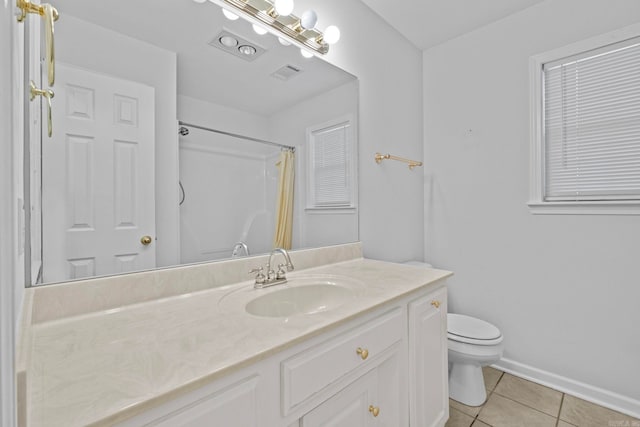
364,344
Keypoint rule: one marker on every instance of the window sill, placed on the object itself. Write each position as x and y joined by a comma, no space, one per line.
331,210
585,208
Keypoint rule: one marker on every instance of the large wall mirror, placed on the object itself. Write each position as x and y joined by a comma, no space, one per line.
175,133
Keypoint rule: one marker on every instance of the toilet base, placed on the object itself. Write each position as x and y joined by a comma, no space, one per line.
466,384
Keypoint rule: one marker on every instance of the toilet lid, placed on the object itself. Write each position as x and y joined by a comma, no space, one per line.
459,325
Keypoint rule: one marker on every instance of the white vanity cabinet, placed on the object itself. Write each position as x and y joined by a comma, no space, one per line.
385,368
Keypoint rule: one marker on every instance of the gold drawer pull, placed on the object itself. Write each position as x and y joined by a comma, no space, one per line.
374,410
363,352
435,303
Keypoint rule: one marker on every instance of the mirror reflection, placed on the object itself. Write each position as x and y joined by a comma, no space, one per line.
181,136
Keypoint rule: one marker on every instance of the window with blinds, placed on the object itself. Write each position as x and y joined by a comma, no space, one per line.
592,125
331,178
588,119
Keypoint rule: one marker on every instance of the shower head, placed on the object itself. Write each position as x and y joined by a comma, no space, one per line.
183,131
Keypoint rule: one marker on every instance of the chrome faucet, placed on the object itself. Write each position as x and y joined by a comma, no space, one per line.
238,248
273,277
280,274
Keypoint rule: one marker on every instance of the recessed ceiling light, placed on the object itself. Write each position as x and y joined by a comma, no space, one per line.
237,45
245,49
228,41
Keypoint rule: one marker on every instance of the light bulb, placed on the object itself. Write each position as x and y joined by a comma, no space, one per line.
284,7
245,49
199,1
228,41
258,29
308,19
229,15
306,53
331,34
283,42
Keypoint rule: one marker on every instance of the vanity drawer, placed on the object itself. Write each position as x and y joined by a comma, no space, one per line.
310,371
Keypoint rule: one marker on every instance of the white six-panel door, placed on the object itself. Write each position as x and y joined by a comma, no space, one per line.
98,177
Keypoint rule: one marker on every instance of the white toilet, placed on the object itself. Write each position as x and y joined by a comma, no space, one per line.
473,343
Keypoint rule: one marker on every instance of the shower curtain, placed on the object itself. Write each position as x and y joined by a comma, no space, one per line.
284,206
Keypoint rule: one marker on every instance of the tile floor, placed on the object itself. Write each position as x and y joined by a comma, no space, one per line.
514,402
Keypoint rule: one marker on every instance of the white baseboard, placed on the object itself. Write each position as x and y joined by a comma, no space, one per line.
599,396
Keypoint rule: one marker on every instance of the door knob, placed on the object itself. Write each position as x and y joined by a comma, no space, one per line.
145,240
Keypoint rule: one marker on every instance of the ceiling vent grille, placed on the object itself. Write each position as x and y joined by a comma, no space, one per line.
237,46
285,73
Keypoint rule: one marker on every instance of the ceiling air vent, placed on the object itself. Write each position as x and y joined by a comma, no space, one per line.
237,46
287,72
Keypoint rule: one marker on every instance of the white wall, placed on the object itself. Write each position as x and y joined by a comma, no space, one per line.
215,116
95,48
563,289
389,70
313,229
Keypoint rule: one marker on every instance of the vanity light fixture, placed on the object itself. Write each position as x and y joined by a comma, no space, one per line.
284,7
271,15
229,15
308,19
259,30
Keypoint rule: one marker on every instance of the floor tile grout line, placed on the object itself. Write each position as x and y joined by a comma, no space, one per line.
560,409
549,388
526,406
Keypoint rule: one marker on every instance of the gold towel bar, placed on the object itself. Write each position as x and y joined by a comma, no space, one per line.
412,163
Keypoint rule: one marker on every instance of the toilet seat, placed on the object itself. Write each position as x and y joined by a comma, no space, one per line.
470,330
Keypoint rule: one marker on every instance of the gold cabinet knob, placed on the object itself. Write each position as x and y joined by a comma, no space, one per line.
363,352
435,303
374,410
145,240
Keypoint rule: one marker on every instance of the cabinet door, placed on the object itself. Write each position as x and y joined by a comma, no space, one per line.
428,367
392,389
349,407
235,406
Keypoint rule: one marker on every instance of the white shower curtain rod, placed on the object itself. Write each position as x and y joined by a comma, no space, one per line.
262,141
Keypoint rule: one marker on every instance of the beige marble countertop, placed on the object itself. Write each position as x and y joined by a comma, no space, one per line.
106,366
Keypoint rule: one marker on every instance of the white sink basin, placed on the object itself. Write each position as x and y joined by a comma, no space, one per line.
301,295
307,299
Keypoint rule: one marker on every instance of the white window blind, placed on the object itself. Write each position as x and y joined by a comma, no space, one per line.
592,125
331,171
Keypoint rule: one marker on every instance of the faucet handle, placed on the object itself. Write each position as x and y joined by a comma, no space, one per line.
260,277
281,271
